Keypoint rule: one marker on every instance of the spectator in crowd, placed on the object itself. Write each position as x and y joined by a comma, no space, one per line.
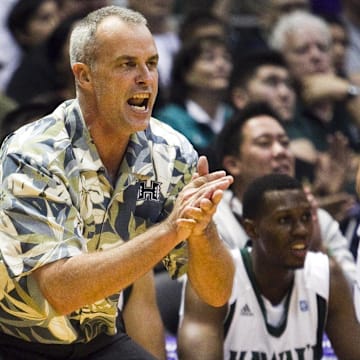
254,143
163,26
81,182
304,40
328,103
264,76
197,106
284,296
31,21
45,73
11,54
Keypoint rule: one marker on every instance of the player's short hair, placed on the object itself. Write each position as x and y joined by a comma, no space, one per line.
253,199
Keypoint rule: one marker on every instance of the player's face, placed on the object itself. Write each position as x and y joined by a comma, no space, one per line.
124,77
284,231
265,149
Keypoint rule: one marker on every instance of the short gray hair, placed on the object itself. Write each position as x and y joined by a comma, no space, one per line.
83,36
297,20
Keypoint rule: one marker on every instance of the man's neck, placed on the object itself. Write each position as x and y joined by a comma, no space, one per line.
273,284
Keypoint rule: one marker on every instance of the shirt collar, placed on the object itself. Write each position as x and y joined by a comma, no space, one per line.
202,117
137,160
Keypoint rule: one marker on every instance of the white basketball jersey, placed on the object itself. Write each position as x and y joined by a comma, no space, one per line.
248,336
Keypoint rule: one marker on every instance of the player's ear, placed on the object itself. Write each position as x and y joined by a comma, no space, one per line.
250,228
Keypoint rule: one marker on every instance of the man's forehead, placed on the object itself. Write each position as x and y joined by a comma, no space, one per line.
263,124
280,200
272,69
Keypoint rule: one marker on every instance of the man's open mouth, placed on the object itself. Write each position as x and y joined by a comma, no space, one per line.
139,101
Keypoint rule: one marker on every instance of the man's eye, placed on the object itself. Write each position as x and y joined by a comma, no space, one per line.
128,64
284,220
285,143
152,64
306,217
264,144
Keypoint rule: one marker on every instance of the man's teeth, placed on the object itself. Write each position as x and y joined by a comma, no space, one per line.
298,247
139,101
139,107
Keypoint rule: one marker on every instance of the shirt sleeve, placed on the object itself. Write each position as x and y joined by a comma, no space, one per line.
38,222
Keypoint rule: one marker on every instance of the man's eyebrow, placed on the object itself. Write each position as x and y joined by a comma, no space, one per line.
125,57
154,57
133,58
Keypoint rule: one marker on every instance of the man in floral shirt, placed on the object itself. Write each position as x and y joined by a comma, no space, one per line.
79,183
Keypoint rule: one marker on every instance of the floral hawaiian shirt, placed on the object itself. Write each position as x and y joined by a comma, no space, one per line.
56,202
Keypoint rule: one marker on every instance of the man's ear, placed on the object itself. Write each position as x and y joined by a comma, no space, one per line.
250,228
82,75
232,165
239,98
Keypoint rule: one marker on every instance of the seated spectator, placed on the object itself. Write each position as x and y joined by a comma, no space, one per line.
45,71
197,106
31,21
305,42
327,102
284,295
264,76
253,143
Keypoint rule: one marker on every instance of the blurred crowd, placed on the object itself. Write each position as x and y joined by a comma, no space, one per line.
299,57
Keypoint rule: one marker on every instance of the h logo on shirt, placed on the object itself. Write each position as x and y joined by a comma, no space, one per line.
151,192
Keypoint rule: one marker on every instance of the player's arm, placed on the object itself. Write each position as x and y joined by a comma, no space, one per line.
342,326
200,334
142,317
